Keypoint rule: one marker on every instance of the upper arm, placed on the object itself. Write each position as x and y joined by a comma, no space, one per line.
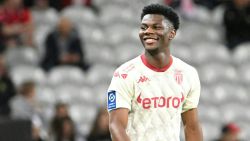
118,117
119,100
193,131
190,117
118,120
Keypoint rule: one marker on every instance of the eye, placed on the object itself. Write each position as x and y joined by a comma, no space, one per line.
143,27
157,27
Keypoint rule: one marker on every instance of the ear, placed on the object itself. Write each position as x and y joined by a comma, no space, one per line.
172,34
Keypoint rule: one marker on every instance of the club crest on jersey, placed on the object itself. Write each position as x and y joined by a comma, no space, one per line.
178,76
111,100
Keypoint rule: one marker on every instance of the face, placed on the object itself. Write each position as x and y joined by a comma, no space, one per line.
65,26
62,111
155,32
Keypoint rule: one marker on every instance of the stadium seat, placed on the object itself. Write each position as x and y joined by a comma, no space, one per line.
22,56
109,14
100,73
80,15
201,14
40,34
85,95
209,113
217,15
20,74
83,116
217,71
100,93
64,93
66,74
117,32
210,130
243,73
92,34
206,94
223,92
182,51
210,52
241,54
73,94
127,51
47,17
106,55
233,111
45,95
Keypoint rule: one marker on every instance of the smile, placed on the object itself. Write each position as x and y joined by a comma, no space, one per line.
150,40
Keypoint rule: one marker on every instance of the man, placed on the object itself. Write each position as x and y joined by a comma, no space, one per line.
63,46
229,132
17,25
236,22
150,94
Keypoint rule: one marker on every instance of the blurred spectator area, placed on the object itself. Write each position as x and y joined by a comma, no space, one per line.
111,38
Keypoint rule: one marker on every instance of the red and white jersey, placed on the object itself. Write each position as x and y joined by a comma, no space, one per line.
155,97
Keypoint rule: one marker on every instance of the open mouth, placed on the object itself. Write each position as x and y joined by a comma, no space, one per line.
150,40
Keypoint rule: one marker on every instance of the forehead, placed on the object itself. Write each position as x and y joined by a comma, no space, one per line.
153,18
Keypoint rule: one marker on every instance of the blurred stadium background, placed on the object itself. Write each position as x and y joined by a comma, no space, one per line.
111,38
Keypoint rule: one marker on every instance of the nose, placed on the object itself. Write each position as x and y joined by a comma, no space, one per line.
149,30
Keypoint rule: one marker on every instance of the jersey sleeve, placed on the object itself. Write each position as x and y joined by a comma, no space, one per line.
120,91
192,98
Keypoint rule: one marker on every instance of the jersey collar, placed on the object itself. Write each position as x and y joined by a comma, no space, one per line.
146,63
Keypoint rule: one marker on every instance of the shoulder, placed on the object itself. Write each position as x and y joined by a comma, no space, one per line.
185,67
127,69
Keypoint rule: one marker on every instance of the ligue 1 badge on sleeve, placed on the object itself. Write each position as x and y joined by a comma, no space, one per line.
111,100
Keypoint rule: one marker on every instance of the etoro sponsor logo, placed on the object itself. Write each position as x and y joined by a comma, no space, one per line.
160,102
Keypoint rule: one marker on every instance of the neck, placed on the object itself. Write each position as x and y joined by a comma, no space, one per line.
158,59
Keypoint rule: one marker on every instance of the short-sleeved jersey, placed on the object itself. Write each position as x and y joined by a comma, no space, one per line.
155,97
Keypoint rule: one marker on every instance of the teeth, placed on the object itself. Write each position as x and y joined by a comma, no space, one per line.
150,40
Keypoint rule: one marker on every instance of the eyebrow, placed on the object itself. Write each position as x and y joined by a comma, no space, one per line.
152,24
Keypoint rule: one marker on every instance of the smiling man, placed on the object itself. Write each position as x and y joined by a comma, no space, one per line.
150,94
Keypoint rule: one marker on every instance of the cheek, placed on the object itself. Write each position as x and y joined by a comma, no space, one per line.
163,35
140,34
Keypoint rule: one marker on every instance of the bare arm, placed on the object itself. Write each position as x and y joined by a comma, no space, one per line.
191,124
118,120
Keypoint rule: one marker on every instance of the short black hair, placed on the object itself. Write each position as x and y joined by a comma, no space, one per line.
164,10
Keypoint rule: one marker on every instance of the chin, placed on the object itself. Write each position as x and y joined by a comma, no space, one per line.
150,47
